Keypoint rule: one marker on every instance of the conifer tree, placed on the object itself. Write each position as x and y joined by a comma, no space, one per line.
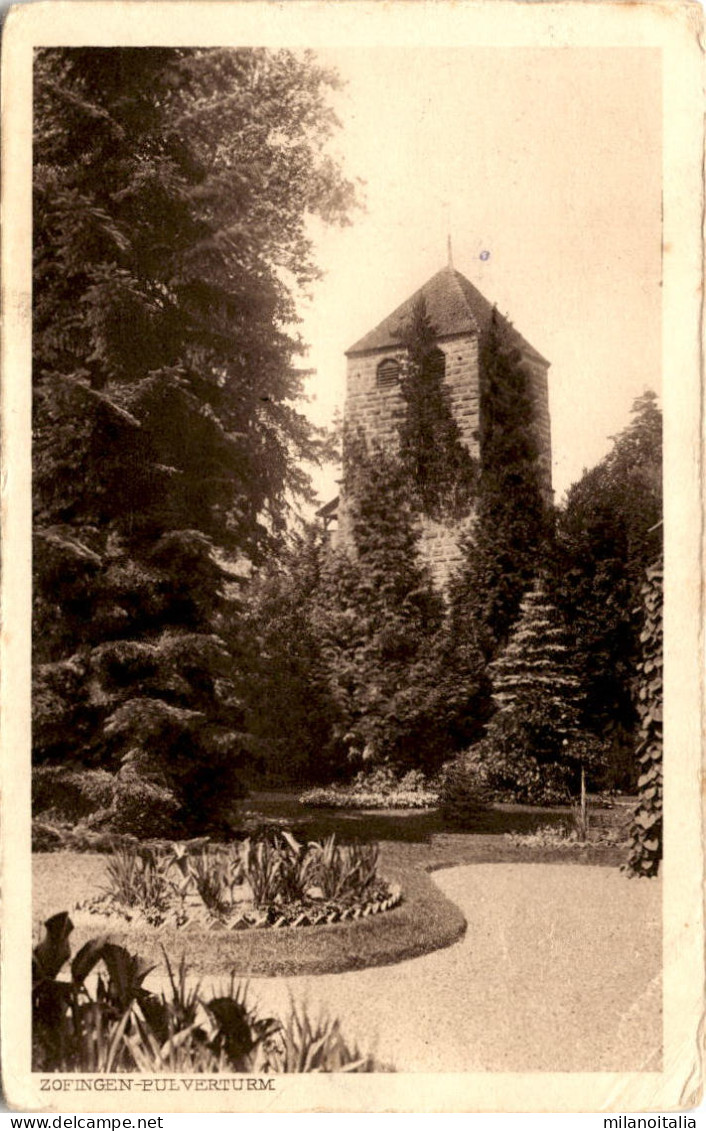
608,534
291,713
535,748
512,523
171,194
441,471
376,614
537,659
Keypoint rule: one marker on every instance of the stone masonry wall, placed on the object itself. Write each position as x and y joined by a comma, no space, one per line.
440,547
378,412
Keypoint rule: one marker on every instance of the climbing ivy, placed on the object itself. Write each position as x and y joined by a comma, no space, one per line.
646,828
513,527
441,472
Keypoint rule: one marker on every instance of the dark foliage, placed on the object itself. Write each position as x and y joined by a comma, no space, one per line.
68,794
171,191
646,828
608,534
534,751
463,796
441,472
376,615
292,713
357,667
535,748
512,526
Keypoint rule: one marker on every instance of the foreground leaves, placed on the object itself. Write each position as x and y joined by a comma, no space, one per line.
119,1026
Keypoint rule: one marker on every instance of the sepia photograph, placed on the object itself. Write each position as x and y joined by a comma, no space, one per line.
352,408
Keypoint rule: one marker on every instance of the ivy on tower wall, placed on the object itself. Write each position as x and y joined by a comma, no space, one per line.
441,472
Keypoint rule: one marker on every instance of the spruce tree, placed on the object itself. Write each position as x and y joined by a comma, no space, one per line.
537,660
172,191
535,749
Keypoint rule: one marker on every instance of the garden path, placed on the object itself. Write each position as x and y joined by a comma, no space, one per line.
560,970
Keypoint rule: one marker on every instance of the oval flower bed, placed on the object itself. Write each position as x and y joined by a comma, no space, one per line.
272,882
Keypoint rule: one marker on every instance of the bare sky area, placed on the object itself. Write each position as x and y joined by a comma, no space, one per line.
544,164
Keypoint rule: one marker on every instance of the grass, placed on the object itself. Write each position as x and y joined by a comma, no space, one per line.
412,845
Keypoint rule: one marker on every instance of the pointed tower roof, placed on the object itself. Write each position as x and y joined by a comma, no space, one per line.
454,307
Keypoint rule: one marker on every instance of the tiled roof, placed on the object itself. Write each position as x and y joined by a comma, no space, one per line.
454,306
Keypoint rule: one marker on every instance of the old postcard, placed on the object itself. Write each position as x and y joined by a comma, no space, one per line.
352,654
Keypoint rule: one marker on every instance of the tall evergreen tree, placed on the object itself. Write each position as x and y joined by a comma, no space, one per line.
172,190
608,534
441,471
292,715
512,523
376,614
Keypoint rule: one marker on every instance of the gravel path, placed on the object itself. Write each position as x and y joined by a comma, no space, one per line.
559,971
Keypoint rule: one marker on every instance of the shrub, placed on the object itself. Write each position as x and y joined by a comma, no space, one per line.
123,804
142,809
46,837
55,836
533,754
463,796
70,793
122,1027
548,836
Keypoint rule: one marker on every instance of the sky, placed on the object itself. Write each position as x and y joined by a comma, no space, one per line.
544,167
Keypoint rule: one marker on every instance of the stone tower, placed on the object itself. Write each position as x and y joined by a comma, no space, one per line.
374,402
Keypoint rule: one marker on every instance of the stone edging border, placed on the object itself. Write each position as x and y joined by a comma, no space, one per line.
253,920
315,918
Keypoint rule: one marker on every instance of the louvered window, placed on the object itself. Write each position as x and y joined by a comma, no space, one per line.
388,373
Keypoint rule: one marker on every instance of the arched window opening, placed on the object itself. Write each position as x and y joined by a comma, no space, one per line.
388,373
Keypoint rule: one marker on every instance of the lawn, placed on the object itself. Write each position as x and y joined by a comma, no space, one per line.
413,844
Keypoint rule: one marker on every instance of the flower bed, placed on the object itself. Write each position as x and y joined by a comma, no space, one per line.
561,837
273,882
247,918
337,798
377,790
